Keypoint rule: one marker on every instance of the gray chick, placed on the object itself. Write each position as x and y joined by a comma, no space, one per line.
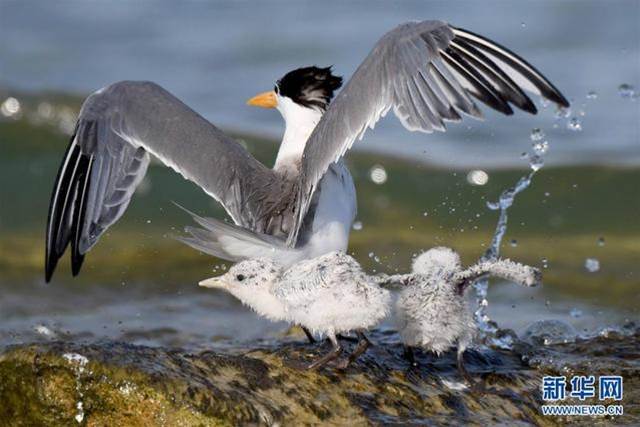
328,295
431,310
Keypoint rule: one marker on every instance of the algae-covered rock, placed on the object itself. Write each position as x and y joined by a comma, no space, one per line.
113,383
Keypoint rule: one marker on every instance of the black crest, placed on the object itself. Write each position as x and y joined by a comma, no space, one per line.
311,87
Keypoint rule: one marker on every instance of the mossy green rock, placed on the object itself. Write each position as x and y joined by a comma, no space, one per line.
122,384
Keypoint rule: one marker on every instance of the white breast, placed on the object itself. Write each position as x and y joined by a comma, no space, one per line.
334,213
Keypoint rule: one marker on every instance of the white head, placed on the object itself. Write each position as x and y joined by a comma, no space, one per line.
251,282
439,261
301,96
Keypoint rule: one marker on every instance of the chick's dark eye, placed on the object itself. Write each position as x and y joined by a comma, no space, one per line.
240,277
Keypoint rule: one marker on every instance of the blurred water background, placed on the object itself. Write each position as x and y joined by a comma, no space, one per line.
215,55
138,284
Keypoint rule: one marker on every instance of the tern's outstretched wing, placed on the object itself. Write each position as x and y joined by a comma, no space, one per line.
428,73
108,156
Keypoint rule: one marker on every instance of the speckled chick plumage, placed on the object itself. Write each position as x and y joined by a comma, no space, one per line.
330,294
430,313
431,310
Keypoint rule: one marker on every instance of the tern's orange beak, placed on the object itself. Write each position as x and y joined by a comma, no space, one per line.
264,100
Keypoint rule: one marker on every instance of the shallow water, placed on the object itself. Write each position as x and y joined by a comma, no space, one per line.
139,285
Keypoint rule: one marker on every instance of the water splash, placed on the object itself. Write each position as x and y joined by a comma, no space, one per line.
574,124
537,134
540,147
79,363
536,162
563,113
488,328
548,332
627,91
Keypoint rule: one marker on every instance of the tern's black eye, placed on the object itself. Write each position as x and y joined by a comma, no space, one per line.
275,89
240,277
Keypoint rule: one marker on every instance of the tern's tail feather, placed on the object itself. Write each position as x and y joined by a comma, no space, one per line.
234,243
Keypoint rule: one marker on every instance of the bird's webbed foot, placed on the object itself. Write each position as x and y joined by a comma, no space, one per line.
330,356
363,345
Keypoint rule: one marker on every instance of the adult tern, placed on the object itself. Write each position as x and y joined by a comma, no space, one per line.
428,73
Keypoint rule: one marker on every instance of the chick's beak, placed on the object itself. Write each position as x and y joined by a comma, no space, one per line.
264,100
214,282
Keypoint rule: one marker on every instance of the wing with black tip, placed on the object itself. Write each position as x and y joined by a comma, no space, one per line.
119,127
428,73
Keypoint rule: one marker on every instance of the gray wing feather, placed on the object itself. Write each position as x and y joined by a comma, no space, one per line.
427,72
118,128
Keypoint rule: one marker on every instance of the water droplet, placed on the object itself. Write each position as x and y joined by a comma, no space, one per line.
378,174
547,194
371,254
357,225
575,312
514,243
148,221
477,177
545,263
536,162
601,241
592,94
626,90
544,102
537,134
44,330
540,147
574,124
592,265
10,107
563,112
425,213
549,332
494,206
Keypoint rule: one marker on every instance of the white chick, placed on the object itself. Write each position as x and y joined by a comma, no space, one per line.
328,295
431,310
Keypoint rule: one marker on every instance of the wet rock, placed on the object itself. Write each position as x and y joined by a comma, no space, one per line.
122,384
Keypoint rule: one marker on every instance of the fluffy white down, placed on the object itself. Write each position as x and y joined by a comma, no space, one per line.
342,311
436,259
331,294
434,317
430,313
328,294
262,301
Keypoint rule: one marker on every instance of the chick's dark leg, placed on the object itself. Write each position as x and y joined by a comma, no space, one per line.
332,355
461,369
309,335
363,345
409,355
